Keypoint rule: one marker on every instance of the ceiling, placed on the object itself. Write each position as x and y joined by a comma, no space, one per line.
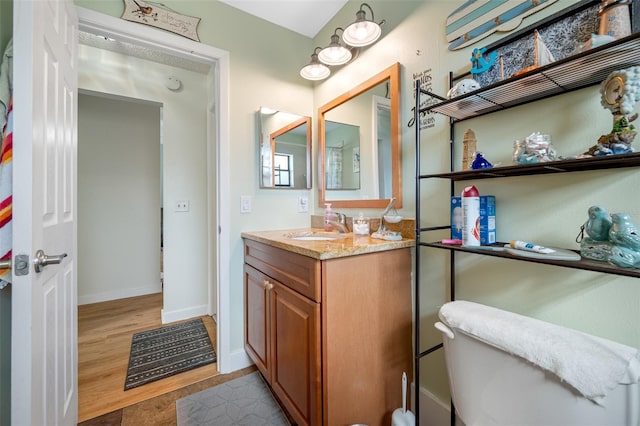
306,17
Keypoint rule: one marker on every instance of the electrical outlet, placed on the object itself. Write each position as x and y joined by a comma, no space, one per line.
303,204
182,206
245,204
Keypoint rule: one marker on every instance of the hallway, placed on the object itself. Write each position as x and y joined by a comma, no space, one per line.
104,339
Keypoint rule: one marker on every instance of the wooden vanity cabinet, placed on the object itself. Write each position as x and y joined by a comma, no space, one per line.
282,338
332,337
282,326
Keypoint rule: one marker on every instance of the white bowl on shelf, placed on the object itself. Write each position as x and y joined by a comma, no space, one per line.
392,218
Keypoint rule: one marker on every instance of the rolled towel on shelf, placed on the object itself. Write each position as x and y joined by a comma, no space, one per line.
591,365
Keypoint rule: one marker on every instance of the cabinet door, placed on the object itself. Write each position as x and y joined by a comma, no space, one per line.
295,328
256,319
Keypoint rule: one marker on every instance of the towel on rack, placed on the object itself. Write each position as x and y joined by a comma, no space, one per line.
6,196
592,365
6,82
6,156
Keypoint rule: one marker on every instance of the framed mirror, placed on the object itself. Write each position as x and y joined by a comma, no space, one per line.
284,145
359,144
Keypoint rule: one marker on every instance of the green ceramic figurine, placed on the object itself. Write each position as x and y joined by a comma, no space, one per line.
610,238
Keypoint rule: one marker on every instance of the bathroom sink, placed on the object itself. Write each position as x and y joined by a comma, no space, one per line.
315,236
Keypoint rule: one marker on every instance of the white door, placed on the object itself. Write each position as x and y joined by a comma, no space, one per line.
44,381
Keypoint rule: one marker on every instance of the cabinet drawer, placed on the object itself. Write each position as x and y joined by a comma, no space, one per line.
298,272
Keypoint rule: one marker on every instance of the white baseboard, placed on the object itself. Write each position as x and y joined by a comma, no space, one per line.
236,360
433,412
119,294
182,314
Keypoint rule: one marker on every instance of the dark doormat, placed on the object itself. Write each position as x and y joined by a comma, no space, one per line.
166,351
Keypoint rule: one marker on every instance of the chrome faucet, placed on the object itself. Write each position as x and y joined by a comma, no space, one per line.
340,224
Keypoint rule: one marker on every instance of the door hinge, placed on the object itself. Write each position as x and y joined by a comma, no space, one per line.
21,264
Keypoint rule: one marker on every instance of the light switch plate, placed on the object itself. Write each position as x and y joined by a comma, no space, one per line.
303,204
245,204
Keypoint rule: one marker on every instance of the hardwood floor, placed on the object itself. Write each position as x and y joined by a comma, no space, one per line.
104,341
161,410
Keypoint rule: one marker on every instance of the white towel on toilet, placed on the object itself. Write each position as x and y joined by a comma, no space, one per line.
592,365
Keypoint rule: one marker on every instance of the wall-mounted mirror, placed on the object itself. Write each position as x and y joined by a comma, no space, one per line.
284,144
359,144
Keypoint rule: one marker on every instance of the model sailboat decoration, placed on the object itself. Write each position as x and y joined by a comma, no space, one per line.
541,55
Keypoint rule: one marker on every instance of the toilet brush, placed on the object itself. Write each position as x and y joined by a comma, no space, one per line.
402,416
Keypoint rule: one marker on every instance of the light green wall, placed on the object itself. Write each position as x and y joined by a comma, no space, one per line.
265,61
6,29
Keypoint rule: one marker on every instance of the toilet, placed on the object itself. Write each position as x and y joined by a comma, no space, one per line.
508,369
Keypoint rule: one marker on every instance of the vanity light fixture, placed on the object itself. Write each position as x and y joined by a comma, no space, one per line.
360,33
335,53
315,70
363,31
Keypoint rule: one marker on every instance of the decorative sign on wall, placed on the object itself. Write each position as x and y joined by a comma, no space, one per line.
160,16
427,119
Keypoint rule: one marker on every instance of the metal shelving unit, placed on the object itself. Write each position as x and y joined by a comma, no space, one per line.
576,72
565,75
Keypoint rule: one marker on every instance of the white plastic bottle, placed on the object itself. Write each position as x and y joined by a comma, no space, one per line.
470,216
328,217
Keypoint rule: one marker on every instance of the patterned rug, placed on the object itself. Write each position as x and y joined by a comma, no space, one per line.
163,352
246,401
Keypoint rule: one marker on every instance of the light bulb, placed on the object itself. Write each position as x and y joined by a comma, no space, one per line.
335,55
361,33
315,72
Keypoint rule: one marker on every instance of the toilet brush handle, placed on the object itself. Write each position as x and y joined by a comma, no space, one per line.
404,392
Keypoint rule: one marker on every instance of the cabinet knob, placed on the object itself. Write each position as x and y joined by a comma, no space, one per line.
267,285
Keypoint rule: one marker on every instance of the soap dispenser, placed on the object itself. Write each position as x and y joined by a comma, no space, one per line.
328,217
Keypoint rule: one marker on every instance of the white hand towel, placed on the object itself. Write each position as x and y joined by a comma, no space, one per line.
592,365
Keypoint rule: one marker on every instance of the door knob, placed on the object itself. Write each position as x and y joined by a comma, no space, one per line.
43,260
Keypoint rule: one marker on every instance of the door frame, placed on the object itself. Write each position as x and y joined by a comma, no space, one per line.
218,175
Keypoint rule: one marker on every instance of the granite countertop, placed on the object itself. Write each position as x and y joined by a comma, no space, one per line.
345,245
